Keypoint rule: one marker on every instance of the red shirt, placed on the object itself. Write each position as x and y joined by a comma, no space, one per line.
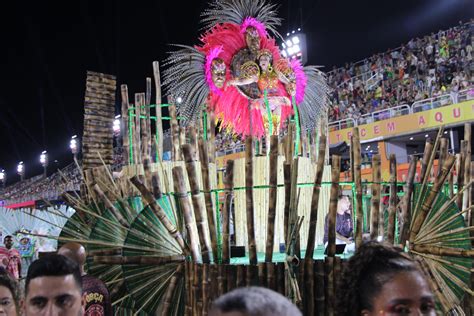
10,259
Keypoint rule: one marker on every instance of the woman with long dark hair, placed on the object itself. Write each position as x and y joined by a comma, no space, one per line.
382,280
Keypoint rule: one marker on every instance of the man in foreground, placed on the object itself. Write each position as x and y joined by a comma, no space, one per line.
96,295
53,287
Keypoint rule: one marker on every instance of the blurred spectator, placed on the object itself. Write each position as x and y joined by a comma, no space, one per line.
10,258
253,301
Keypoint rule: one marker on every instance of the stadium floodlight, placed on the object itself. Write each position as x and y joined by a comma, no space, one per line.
44,162
3,177
179,100
74,145
294,46
44,158
116,126
20,169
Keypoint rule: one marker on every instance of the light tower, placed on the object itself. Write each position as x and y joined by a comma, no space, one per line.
20,169
3,177
74,146
294,46
44,162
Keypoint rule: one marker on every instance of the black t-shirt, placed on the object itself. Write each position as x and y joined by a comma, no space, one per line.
97,297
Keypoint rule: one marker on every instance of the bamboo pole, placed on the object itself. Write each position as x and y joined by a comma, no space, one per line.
451,184
197,278
375,200
335,173
280,268
125,106
426,159
240,278
315,197
252,247
272,192
228,185
199,212
271,280
154,260
193,140
214,281
175,152
293,215
289,144
137,132
185,205
206,182
159,212
262,274
205,289
158,121
182,136
425,208
467,164
443,153
221,279
148,91
212,137
329,282
188,284
155,185
460,172
313,146
287,183
231,277
309,287
319,297
444,251
405,217
393,200
358,184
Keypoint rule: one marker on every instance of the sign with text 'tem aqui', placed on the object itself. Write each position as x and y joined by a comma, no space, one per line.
447,115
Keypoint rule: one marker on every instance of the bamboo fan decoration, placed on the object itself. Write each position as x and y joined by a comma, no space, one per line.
439,238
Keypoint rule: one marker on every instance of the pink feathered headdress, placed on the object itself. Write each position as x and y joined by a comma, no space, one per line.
301,80
259,26
213,54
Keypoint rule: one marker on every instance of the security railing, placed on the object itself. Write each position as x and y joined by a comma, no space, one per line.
405,109
236,149
443,100
381,115
341,124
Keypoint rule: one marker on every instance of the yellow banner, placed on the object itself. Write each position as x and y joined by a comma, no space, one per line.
446,115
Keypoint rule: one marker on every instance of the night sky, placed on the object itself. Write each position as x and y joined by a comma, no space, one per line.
47,46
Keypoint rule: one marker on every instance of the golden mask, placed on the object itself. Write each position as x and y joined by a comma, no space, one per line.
218,70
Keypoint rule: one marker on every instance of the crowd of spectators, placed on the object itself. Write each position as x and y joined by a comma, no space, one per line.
227,143
51,187
40,187
435,65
